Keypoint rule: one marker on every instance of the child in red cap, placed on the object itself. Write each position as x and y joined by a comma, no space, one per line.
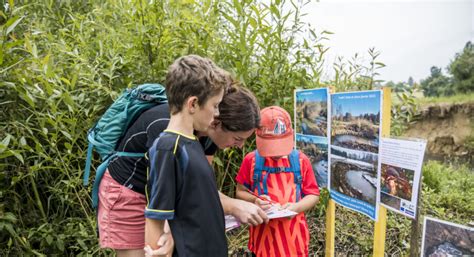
280,174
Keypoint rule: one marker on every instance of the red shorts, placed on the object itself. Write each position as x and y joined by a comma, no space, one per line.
121,216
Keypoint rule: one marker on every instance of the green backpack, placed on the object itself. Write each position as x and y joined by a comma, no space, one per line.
105,135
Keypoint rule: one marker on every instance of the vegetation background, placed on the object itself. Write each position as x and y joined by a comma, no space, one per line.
62,62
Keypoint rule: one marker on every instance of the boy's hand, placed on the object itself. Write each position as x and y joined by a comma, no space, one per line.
166,244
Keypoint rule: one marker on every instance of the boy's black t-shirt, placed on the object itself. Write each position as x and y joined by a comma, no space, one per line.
181,188
131,171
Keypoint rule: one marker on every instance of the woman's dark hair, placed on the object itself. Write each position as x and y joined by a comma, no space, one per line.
239,110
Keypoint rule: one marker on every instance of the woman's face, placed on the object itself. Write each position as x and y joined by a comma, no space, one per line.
223,138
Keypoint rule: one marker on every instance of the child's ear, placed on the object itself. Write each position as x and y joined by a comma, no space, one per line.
192,104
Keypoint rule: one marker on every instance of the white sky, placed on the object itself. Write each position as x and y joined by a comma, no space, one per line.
412,35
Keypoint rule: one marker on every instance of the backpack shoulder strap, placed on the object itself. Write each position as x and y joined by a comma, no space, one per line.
295,167
257,172
88,164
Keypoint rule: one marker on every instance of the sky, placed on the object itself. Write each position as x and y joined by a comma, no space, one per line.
412,36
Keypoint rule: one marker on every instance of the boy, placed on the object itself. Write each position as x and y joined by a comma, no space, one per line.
181,186
281,175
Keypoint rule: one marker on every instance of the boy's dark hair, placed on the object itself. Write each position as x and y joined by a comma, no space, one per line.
239,110
193,75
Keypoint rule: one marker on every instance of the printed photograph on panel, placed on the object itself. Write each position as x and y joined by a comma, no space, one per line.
355,121
354,177
442,238
316,148
396,181
311,112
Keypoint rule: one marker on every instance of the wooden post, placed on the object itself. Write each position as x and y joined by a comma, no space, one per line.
381,224
415,229
330,213
379,232
330,228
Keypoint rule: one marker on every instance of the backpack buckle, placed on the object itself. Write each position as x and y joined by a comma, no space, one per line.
299,179
144,97
255,177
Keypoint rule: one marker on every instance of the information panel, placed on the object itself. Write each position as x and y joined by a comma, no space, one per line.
354,150
312,129
400,174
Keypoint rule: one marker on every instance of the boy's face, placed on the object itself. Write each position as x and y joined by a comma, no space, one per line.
205,113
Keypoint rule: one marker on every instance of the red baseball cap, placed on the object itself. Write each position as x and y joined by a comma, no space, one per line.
275,134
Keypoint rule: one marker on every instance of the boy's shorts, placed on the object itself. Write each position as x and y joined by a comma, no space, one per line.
121,216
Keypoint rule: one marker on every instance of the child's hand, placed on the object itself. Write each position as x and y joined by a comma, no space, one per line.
291,207
166,245
265,205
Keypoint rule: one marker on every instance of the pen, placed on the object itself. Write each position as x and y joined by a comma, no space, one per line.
261,197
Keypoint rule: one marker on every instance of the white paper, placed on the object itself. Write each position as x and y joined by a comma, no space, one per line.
274,212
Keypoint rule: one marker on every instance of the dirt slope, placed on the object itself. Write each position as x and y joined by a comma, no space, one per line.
448,129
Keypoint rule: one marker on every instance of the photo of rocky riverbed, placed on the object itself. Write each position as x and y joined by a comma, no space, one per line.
354,178
441,238
316,148
311,112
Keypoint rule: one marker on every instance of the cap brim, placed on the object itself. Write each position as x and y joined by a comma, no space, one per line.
268,147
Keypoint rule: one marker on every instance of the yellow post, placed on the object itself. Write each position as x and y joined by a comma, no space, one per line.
381,223
330,215
330,228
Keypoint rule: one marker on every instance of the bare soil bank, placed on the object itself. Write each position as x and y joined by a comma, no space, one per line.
448,128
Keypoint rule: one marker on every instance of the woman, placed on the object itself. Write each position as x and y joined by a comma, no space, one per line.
122,190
